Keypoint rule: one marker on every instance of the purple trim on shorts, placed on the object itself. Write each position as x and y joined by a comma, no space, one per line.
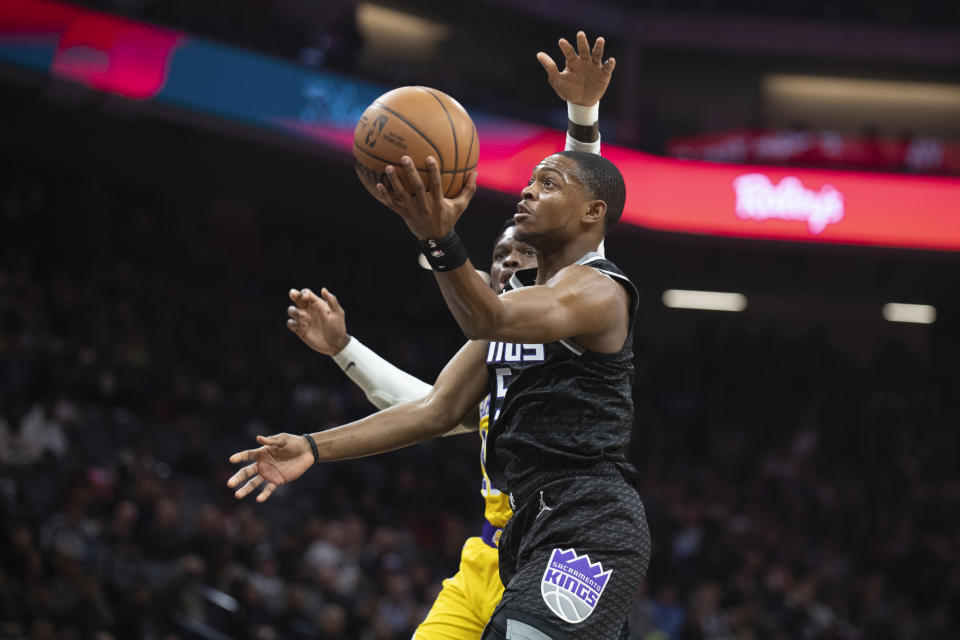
491,534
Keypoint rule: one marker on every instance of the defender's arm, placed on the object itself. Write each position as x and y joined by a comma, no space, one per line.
457,392
284,457
320,321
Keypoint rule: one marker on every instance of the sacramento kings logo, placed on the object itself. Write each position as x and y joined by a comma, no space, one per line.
572,586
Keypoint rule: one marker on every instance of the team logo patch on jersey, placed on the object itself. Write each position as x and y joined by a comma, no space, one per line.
572,585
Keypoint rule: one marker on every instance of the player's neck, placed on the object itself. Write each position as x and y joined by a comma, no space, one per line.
551,262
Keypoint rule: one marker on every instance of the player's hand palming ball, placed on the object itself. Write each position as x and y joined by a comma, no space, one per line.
416,122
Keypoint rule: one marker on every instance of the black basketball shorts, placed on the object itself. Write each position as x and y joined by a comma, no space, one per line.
572,558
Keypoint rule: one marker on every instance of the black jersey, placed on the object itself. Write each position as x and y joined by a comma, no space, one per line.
558,406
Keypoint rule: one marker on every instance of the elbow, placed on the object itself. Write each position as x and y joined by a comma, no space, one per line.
481,328
472,332
479,332
479,320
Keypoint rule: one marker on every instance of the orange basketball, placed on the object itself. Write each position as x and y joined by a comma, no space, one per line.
417,122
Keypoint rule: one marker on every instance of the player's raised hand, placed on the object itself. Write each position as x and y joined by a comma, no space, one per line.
428,214
282,458
319,321
585,76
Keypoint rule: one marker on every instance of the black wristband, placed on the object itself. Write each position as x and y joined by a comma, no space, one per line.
584,133
313,447
446,253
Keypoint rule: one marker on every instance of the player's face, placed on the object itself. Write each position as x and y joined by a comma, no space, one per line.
552,205
509,256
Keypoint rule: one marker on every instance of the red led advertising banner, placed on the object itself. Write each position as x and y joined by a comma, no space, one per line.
754,201
144,62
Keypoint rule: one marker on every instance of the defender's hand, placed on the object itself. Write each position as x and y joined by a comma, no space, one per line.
319,321
585,75
283,458
427,214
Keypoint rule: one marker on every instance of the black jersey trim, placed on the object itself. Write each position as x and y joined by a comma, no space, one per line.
626,280
515,283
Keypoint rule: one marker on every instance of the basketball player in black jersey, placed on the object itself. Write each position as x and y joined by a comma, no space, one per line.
555,353
559,358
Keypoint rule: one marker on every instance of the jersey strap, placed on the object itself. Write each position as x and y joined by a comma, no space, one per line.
528,277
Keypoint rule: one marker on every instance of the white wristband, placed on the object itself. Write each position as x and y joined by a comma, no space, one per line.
342,358
384,384
578,145
584,116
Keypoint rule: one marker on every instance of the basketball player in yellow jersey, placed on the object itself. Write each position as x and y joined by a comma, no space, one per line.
467,600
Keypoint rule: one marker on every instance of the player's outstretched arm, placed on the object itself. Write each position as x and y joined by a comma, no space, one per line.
583,120
582,83
284,457
320,321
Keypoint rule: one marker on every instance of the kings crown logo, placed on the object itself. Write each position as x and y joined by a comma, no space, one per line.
572,585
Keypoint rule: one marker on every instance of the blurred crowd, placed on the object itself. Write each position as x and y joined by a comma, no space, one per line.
792,493
795,494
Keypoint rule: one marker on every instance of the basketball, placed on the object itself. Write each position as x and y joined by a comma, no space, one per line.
417,122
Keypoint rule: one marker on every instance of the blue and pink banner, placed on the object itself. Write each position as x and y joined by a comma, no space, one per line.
140,61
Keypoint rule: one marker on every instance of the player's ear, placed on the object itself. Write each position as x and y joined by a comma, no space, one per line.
596,212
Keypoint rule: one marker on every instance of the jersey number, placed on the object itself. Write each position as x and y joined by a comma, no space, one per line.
503,381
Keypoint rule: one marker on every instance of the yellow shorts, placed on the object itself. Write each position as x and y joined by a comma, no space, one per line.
467,600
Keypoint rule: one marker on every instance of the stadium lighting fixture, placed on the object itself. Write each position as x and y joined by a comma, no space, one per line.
823,87
915,313
707,300
391,32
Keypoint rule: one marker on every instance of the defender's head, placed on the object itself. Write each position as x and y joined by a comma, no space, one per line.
509,256
571,193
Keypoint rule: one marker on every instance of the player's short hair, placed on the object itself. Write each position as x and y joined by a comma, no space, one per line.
509,222
604,182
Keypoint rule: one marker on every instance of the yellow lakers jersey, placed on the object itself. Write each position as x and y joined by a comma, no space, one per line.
497,509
